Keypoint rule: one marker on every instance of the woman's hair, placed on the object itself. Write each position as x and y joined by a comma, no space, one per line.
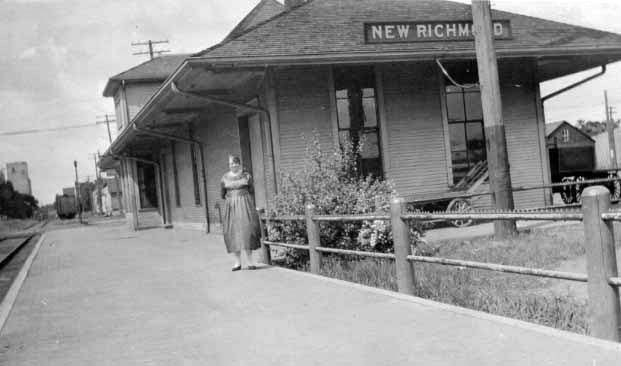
234,159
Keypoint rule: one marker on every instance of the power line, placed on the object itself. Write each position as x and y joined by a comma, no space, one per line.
107,121
150,44
38,130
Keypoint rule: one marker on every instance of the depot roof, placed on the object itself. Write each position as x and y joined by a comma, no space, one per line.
329,27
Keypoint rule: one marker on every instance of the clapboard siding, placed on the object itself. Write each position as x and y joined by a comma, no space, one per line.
415,130
520,118
188,211
219,129
303,107
137,96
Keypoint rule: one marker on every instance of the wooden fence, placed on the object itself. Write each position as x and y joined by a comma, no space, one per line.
602,277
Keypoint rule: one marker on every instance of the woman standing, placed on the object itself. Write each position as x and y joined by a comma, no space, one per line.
241,222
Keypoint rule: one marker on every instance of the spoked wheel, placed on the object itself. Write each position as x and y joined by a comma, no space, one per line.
460,205
567,192
614,187
578,189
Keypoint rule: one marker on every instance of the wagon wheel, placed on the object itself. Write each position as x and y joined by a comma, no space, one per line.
578,189
567,194
614,186
459,205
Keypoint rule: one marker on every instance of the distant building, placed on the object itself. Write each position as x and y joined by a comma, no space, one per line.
602,149
17,174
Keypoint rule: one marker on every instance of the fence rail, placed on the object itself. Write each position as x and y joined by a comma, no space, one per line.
602,277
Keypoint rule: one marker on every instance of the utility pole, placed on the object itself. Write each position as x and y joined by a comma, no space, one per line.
496,141
98,184
611,133
150,44
106,120
77,191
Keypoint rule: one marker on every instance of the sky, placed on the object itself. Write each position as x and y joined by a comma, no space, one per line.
58,54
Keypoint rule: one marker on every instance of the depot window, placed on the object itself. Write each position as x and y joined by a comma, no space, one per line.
358,120
465,120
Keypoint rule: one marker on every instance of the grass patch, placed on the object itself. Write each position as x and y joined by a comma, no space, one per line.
13,225
515,296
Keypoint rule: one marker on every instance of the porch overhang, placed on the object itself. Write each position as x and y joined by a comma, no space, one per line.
238,80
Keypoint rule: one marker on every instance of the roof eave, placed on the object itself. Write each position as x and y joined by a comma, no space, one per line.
328,58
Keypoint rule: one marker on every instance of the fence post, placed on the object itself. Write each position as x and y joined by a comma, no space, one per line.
265,249
312,232
604,313
401,239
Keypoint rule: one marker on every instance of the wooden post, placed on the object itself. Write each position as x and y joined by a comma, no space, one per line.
312,231
612,147
401,239
132,192
265,249
604,308
496,142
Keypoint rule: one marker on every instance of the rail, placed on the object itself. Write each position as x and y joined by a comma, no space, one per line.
602,276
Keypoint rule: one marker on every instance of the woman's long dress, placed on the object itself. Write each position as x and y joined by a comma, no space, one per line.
241,222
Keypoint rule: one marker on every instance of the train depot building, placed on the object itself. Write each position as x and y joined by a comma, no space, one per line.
401,73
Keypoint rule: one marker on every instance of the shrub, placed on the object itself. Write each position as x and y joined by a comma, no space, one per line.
330,180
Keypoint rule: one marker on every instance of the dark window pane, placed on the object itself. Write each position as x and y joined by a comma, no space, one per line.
370,112
458,136
474,131
476,155
371,167
342,106
455,106
370,149
473,106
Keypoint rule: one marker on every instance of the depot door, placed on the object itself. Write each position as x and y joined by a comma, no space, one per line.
251,143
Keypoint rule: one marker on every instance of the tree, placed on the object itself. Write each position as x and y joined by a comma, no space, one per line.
593,128
14,204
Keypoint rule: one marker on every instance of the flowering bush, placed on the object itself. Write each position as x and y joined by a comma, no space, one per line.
330,181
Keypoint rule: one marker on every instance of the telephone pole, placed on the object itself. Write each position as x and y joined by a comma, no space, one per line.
150,44
496,141
77,191
106,119
97,183
611,132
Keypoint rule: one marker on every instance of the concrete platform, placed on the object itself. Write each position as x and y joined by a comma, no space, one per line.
102,295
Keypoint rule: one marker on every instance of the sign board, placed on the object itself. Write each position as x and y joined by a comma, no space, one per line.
436,31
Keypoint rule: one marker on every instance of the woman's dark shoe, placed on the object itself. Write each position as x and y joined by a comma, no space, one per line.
252,267
236,268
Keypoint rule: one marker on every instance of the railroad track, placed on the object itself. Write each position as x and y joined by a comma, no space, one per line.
12,243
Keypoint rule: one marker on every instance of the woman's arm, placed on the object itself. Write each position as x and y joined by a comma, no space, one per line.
250,183
222,190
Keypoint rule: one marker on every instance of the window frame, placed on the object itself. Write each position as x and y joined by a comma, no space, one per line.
464,122
364,130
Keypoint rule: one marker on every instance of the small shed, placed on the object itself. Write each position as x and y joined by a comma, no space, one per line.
570,150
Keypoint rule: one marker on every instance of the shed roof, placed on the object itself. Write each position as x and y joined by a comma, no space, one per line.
552,127
157,69
320,27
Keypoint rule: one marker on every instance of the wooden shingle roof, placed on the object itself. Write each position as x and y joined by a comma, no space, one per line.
157,69
324,27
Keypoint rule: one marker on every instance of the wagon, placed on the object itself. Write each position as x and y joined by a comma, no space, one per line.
458,198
